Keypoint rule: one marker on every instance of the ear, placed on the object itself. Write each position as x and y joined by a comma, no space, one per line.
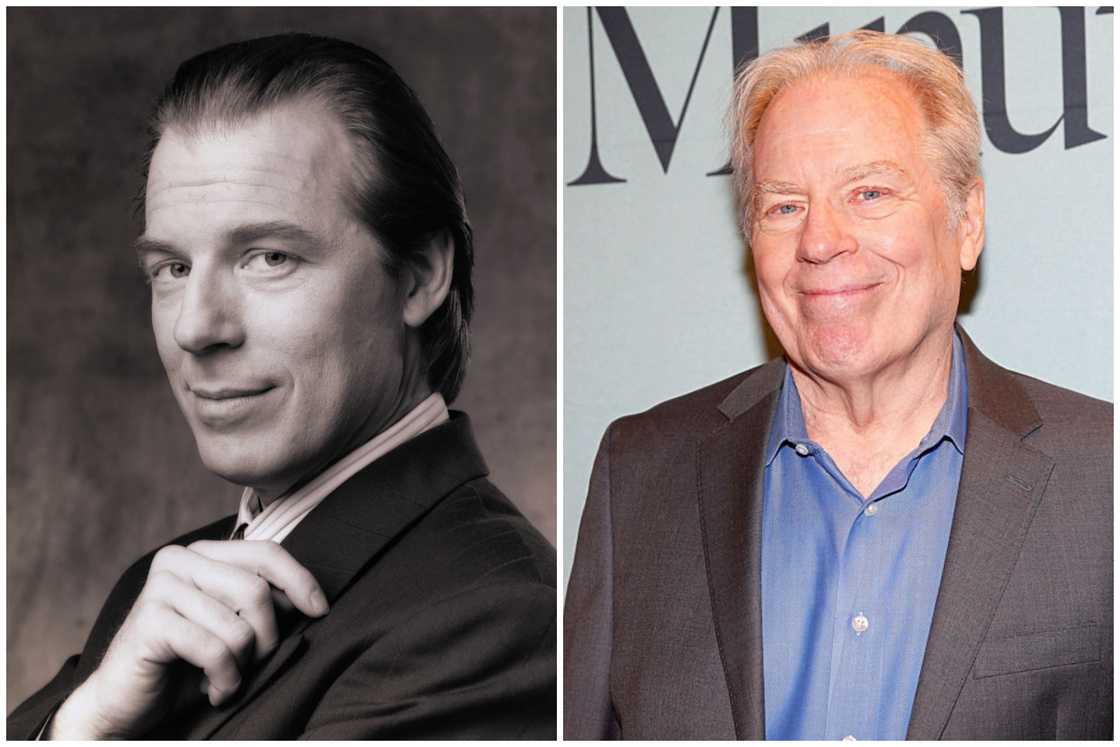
429,279
970,231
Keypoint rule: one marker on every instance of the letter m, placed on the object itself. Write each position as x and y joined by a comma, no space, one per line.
662,129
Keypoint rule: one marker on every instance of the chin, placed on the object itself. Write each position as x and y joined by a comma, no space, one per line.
252,467
839,350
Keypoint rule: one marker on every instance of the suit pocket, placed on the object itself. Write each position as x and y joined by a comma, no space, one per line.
1051,648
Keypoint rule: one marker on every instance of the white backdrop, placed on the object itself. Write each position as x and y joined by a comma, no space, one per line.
656,298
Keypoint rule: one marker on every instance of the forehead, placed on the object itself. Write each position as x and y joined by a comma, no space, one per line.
858,113
288,160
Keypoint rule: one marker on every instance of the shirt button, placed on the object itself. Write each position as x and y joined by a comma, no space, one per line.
801,449
859,623
872,509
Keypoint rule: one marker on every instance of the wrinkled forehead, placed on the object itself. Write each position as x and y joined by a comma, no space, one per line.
836,123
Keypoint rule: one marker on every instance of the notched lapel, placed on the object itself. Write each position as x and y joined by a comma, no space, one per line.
361,517
729,466
1002,482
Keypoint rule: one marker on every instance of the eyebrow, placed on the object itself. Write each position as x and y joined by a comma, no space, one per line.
774,186
874,168
849,174
239,236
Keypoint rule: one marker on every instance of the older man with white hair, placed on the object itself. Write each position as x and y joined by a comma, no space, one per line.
883,535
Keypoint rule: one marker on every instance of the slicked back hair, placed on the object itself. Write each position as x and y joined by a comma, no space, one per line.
405,189
952,128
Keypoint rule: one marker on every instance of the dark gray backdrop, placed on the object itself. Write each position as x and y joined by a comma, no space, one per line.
101,465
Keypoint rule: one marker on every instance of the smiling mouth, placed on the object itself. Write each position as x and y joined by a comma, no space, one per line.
844,290
221,394
223,407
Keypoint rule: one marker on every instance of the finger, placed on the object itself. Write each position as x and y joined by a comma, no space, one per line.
244,593
273,563
198,607
181,638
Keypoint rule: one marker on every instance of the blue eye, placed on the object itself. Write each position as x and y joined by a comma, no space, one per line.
870,194
786,208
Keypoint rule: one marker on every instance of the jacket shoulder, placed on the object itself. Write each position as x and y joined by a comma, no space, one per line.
1060,407
1076,429
687,417
477,537
1072,429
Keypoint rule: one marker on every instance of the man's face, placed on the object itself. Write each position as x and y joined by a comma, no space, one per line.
858,268
279,328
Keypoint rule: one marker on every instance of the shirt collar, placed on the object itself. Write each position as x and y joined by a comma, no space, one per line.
428,414
951,422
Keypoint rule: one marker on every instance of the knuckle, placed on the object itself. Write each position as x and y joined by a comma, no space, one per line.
214,651
259,591
199,545
242,634
166,555
159,580
272,554
144,609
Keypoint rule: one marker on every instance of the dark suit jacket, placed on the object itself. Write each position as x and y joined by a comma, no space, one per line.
663,618
442,620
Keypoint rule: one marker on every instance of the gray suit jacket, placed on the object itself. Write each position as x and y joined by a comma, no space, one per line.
663,618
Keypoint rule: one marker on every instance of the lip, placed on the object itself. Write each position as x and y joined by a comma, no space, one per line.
223,407
223,393
839,291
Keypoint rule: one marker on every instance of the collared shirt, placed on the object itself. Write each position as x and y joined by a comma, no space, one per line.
276,520
849,585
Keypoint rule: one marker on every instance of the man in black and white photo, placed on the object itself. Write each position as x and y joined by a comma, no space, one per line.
309,258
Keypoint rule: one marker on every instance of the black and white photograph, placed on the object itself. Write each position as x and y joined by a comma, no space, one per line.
281,382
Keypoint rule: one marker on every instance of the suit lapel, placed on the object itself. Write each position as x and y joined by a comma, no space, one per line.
345,532
1002,482
729,488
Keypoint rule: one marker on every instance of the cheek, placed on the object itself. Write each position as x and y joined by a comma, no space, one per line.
910,240
339,346
766,259
164,316
772,266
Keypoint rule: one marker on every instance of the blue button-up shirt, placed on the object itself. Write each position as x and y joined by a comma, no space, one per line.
849,585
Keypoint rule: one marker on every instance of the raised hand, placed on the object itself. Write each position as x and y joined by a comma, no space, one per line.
212,605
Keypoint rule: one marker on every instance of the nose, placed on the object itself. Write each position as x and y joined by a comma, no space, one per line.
824,236
209,314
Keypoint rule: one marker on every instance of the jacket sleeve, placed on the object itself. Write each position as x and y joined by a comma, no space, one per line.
588,615
27,721
480,664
